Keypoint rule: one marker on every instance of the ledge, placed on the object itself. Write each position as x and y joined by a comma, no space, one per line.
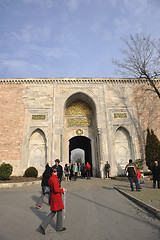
74,80
20,184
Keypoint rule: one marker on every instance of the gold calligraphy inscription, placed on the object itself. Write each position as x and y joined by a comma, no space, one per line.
38,117
79,122
78,108
120,115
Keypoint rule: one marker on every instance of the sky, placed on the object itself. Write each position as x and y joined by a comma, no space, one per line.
70,38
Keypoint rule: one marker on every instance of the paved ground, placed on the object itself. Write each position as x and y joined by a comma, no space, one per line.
95,210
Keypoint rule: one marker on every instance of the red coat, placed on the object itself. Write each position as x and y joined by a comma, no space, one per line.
138,174
89,166
56,198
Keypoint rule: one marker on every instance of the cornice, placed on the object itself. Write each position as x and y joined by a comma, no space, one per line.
74,80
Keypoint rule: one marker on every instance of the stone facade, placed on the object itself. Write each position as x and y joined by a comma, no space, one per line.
43,119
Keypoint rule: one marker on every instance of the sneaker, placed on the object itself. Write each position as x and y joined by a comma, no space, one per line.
38,207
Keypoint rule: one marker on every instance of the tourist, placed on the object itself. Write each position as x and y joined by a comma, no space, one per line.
83,171
79,169
107,168
56,204
88,170
131,171
138,176
156,174
45,188
71,170
75,171
66,172
59,169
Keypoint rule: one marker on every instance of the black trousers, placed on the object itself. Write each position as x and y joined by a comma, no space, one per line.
154,183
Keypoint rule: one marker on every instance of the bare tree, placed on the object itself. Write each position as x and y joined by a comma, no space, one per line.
141,59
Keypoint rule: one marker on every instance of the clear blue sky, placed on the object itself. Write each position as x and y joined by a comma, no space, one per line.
69,38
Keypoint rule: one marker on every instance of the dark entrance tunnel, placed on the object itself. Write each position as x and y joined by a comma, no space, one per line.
82,143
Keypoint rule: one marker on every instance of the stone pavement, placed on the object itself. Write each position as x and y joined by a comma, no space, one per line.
148,197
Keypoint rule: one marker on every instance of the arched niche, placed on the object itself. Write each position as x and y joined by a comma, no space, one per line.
123,149
37,151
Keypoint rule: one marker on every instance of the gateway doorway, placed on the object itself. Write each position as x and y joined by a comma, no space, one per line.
84,143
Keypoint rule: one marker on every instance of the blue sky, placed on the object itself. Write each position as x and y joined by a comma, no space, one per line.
69,38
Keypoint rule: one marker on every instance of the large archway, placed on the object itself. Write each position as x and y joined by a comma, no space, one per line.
84,143
80,129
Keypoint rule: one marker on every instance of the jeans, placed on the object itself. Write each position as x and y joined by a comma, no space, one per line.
88,174
138,181
133,179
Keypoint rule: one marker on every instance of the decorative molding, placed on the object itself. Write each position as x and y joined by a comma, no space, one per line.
75,80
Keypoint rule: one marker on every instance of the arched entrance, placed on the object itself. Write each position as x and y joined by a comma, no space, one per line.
80,129
82,143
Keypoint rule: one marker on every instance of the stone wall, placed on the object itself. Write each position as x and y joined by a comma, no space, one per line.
11,124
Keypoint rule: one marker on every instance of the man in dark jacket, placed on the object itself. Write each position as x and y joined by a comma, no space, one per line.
156,174
132,174
59,170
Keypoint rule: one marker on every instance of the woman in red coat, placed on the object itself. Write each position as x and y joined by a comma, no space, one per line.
56,203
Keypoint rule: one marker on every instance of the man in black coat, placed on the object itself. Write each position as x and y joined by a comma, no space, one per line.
156,174
59,170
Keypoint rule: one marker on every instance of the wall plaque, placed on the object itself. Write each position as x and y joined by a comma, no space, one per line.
120,115
38,117
79,122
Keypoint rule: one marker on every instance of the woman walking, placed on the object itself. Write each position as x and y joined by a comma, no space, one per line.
56,204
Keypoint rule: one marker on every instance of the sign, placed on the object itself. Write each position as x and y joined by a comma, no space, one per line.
120,115
79,122
38,117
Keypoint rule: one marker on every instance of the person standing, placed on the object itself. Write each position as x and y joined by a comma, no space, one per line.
59,170
88,170
66,172
138,176
75,171
156,174
107,168
70,170
79,169
45,187
131,170
56,204
82,171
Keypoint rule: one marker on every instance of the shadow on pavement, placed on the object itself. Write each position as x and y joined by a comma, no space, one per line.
112,209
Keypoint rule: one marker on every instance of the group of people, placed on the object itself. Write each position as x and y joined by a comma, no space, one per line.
51,186
72,171
134,175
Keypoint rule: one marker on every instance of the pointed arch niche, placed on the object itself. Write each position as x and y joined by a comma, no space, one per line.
123,149
37,151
